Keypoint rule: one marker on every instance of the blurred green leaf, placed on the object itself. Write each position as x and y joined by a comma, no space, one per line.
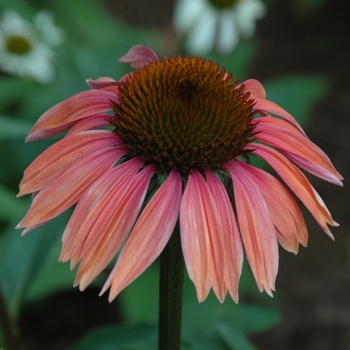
13,128
297,94
10,206
234,338
120,337
21,259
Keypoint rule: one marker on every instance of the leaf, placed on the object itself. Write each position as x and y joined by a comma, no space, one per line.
120,337
11,128
234,338
22,258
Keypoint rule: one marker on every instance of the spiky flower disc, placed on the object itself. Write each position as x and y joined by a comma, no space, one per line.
184,113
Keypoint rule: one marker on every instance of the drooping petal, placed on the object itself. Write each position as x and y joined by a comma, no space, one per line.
148,238
69,187
285,212
58,158
95,208
256,226
79,106
229,239
139,56
297,147
298,183
200,227
271,107
108,236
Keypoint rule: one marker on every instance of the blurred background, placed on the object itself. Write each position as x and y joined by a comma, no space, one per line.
298,49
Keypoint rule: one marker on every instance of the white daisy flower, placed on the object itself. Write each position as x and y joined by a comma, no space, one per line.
216,24
26,50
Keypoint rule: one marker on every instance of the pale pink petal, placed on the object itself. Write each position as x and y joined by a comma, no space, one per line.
102,82
256,226
254,87
285,212
69,187
96,121
139,56
301,150
79,106
271,107
151,233
199,224
229,239
58,158
298,183
110,231
95,207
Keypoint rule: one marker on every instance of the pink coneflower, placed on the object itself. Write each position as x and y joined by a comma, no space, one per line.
177,146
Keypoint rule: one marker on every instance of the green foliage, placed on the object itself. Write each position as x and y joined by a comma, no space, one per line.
121,337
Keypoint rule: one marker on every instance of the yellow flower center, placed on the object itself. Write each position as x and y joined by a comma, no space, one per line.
184,113
18,45
222,4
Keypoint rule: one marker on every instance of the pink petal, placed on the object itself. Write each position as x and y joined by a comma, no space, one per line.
229,240
256,226
95,208
69,187
297,147
271,107
103,82
139,56
151,233
58,158
298,183
255,88
285,212
79,106
110,231
200,229
96,121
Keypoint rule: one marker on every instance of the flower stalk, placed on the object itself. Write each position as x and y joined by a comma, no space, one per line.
170,294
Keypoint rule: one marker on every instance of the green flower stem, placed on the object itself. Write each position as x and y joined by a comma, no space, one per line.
170,294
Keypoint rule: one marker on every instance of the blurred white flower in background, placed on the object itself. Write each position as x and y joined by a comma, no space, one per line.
26,49
216,24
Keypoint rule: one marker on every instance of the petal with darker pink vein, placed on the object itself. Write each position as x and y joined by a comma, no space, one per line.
298,183
256,226
297,147
79,106
139,56
58,158
199,223
95,208
110,231
231,246
148,238
69,187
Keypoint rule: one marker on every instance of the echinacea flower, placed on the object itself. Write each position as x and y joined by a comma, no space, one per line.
177,146
216,24
26,49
